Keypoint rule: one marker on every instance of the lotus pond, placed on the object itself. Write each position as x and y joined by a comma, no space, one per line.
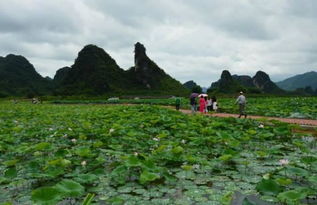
67,154
288,107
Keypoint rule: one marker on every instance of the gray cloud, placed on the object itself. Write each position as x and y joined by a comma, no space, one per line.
190,40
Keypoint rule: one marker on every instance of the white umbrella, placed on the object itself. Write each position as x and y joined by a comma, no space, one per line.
203,94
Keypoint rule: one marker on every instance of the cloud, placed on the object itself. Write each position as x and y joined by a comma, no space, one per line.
190,40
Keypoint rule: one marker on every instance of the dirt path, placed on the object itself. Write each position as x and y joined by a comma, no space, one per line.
287,120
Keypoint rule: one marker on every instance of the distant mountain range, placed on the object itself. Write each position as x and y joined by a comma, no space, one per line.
260,83
95,72
299,81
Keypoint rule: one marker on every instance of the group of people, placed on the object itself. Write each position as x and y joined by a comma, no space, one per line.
205,104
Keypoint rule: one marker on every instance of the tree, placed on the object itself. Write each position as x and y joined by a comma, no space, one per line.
197,89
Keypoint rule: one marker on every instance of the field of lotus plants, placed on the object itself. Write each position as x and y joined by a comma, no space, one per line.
288,107
142,154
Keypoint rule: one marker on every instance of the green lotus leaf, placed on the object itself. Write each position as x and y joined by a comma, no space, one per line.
187,167
268,187
291,196
98,144
246,201
297,171
119,174
11,173
313,179
177,150
132,161
308,159
83,152
42,146
86,178
54,171
70,188
46,195
147,176
11,163
6,203
284,181
225,157
60,162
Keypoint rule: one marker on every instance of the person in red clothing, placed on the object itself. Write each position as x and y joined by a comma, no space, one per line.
202,104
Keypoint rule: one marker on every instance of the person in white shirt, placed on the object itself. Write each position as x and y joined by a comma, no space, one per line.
241,100
215,106
209,104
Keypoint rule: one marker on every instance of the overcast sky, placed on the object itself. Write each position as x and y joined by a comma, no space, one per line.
189,39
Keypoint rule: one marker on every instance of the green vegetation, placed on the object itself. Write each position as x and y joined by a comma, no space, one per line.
148,155
19,78
289,107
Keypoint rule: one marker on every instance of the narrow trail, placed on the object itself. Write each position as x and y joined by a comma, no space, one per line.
287,120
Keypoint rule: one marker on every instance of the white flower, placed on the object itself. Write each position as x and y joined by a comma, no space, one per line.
50,129
83,163
111,130
183,141
196,166
261,126
266,176
70,129
74,140
284,162
156,139
136,154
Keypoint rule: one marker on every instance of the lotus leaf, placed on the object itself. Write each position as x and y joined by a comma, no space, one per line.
46,195
70,188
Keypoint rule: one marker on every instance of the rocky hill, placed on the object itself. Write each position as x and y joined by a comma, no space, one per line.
190,84
95,73
146,75
18,77
260,83
308,79
226,84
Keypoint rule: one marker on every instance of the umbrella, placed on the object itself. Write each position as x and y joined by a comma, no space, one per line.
193,95
203,94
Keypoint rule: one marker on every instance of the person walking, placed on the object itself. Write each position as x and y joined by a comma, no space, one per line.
202,104
214,103
206,104
177,103
215,106
209,104
193,104
241,100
